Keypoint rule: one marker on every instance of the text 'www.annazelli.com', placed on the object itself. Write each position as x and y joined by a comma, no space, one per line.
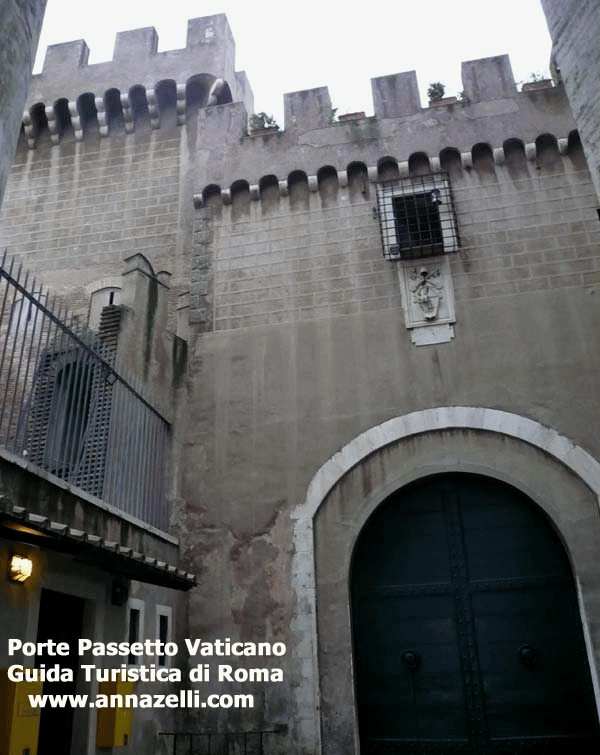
184,699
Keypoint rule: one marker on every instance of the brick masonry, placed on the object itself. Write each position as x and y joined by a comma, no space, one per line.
530,233
74,212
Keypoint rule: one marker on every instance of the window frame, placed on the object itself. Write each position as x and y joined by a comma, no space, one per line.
388,194
162,610
137,605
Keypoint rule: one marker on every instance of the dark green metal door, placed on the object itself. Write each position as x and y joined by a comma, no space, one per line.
467,633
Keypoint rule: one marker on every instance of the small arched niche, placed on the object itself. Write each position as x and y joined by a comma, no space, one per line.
418,164
450,161
86,107
197,88
268,187
575,151
515,158
327,179
138,101
387,169
211,197
240,200
39,120
483,160
166,99
113,108
548,156
298,190
222,94
358,181
63,115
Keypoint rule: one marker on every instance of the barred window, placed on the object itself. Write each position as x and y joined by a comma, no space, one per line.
417,217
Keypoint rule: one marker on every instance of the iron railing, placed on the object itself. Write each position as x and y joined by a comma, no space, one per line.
67,406
220,743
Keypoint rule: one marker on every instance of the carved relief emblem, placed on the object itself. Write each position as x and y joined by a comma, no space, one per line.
426,288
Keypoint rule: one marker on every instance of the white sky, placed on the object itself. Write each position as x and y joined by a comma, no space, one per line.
285,47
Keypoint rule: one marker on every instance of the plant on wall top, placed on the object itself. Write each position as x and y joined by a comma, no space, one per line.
262,120
436,91
537,76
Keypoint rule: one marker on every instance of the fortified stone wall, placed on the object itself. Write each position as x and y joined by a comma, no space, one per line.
298,334
81,202
296,322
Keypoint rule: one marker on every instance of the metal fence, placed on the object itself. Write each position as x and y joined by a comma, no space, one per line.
67,407
215,743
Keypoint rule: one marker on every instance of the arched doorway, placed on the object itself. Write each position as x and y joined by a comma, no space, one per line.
466,629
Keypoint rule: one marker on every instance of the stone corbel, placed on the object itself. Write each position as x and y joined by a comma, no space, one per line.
180,104
499,155
531,151
466,159
153,108
403,169
52,125
75,120
102,123
127,114
28,126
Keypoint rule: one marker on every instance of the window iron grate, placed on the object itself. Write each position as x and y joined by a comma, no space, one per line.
417,217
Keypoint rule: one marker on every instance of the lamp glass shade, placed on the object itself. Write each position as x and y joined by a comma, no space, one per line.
20,568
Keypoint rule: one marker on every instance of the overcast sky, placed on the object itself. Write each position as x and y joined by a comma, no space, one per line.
285,47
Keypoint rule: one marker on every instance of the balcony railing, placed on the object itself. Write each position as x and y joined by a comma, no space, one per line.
67,407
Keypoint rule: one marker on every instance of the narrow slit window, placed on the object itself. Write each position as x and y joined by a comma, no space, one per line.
134,631
135,628
163,634
164,630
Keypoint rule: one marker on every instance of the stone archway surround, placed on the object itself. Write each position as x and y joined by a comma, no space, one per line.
558,475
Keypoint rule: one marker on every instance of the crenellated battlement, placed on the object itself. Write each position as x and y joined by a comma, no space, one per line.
66,73
141,87
138,81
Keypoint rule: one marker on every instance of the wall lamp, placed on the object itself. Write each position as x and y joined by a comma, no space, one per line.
20,568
